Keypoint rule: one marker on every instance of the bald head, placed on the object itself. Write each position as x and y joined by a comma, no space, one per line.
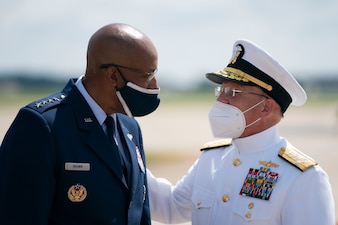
122,45
119,44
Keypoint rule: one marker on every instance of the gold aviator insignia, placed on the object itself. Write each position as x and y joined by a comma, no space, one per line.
269,164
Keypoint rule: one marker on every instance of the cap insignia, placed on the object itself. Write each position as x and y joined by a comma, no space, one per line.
236,53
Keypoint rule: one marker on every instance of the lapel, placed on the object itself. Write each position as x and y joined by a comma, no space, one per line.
97,139
128,138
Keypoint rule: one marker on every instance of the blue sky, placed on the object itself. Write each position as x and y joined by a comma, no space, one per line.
192,37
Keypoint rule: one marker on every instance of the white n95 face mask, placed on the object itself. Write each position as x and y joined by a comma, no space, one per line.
227,121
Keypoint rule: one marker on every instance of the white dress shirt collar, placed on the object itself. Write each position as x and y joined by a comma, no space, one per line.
258,142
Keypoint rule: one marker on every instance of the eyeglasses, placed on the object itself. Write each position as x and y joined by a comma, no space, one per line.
150,75
231,92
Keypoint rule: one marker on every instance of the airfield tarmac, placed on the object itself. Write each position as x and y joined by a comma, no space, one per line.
174,134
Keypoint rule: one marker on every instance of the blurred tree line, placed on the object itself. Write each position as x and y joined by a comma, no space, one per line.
22,82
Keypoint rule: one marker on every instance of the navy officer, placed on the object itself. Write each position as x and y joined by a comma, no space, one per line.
251,175
77,157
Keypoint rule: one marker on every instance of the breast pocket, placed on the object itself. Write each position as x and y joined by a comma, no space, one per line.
253,210
203,201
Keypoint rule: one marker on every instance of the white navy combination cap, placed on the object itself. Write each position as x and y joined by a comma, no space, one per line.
251,65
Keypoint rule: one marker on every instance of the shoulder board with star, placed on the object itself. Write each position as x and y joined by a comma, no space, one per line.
47,102
297,158
216,144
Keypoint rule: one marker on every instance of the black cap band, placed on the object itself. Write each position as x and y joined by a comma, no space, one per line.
278,93
243,72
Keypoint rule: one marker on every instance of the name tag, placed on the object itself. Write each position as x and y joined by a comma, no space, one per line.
71,166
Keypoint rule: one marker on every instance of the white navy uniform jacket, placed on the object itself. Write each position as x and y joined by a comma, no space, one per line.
220,189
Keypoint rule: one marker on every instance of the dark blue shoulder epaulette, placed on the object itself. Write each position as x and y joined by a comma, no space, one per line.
47,102
52,100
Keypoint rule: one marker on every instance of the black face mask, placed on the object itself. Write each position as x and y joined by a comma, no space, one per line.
138,101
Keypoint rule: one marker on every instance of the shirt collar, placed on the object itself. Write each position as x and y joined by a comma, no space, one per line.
258,142
97,110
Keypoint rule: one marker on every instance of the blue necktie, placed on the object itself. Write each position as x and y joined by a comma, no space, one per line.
110,123
110,129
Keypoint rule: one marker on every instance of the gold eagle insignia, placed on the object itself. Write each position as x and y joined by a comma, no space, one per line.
77,193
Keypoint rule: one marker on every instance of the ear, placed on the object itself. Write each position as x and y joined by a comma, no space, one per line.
111,75
267,107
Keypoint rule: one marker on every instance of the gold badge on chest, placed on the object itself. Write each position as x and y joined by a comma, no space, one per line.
77,193
268,164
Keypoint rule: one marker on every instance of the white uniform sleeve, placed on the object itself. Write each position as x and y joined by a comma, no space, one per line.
168,203
309,201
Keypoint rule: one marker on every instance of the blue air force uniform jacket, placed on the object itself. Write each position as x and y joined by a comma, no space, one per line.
57,167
